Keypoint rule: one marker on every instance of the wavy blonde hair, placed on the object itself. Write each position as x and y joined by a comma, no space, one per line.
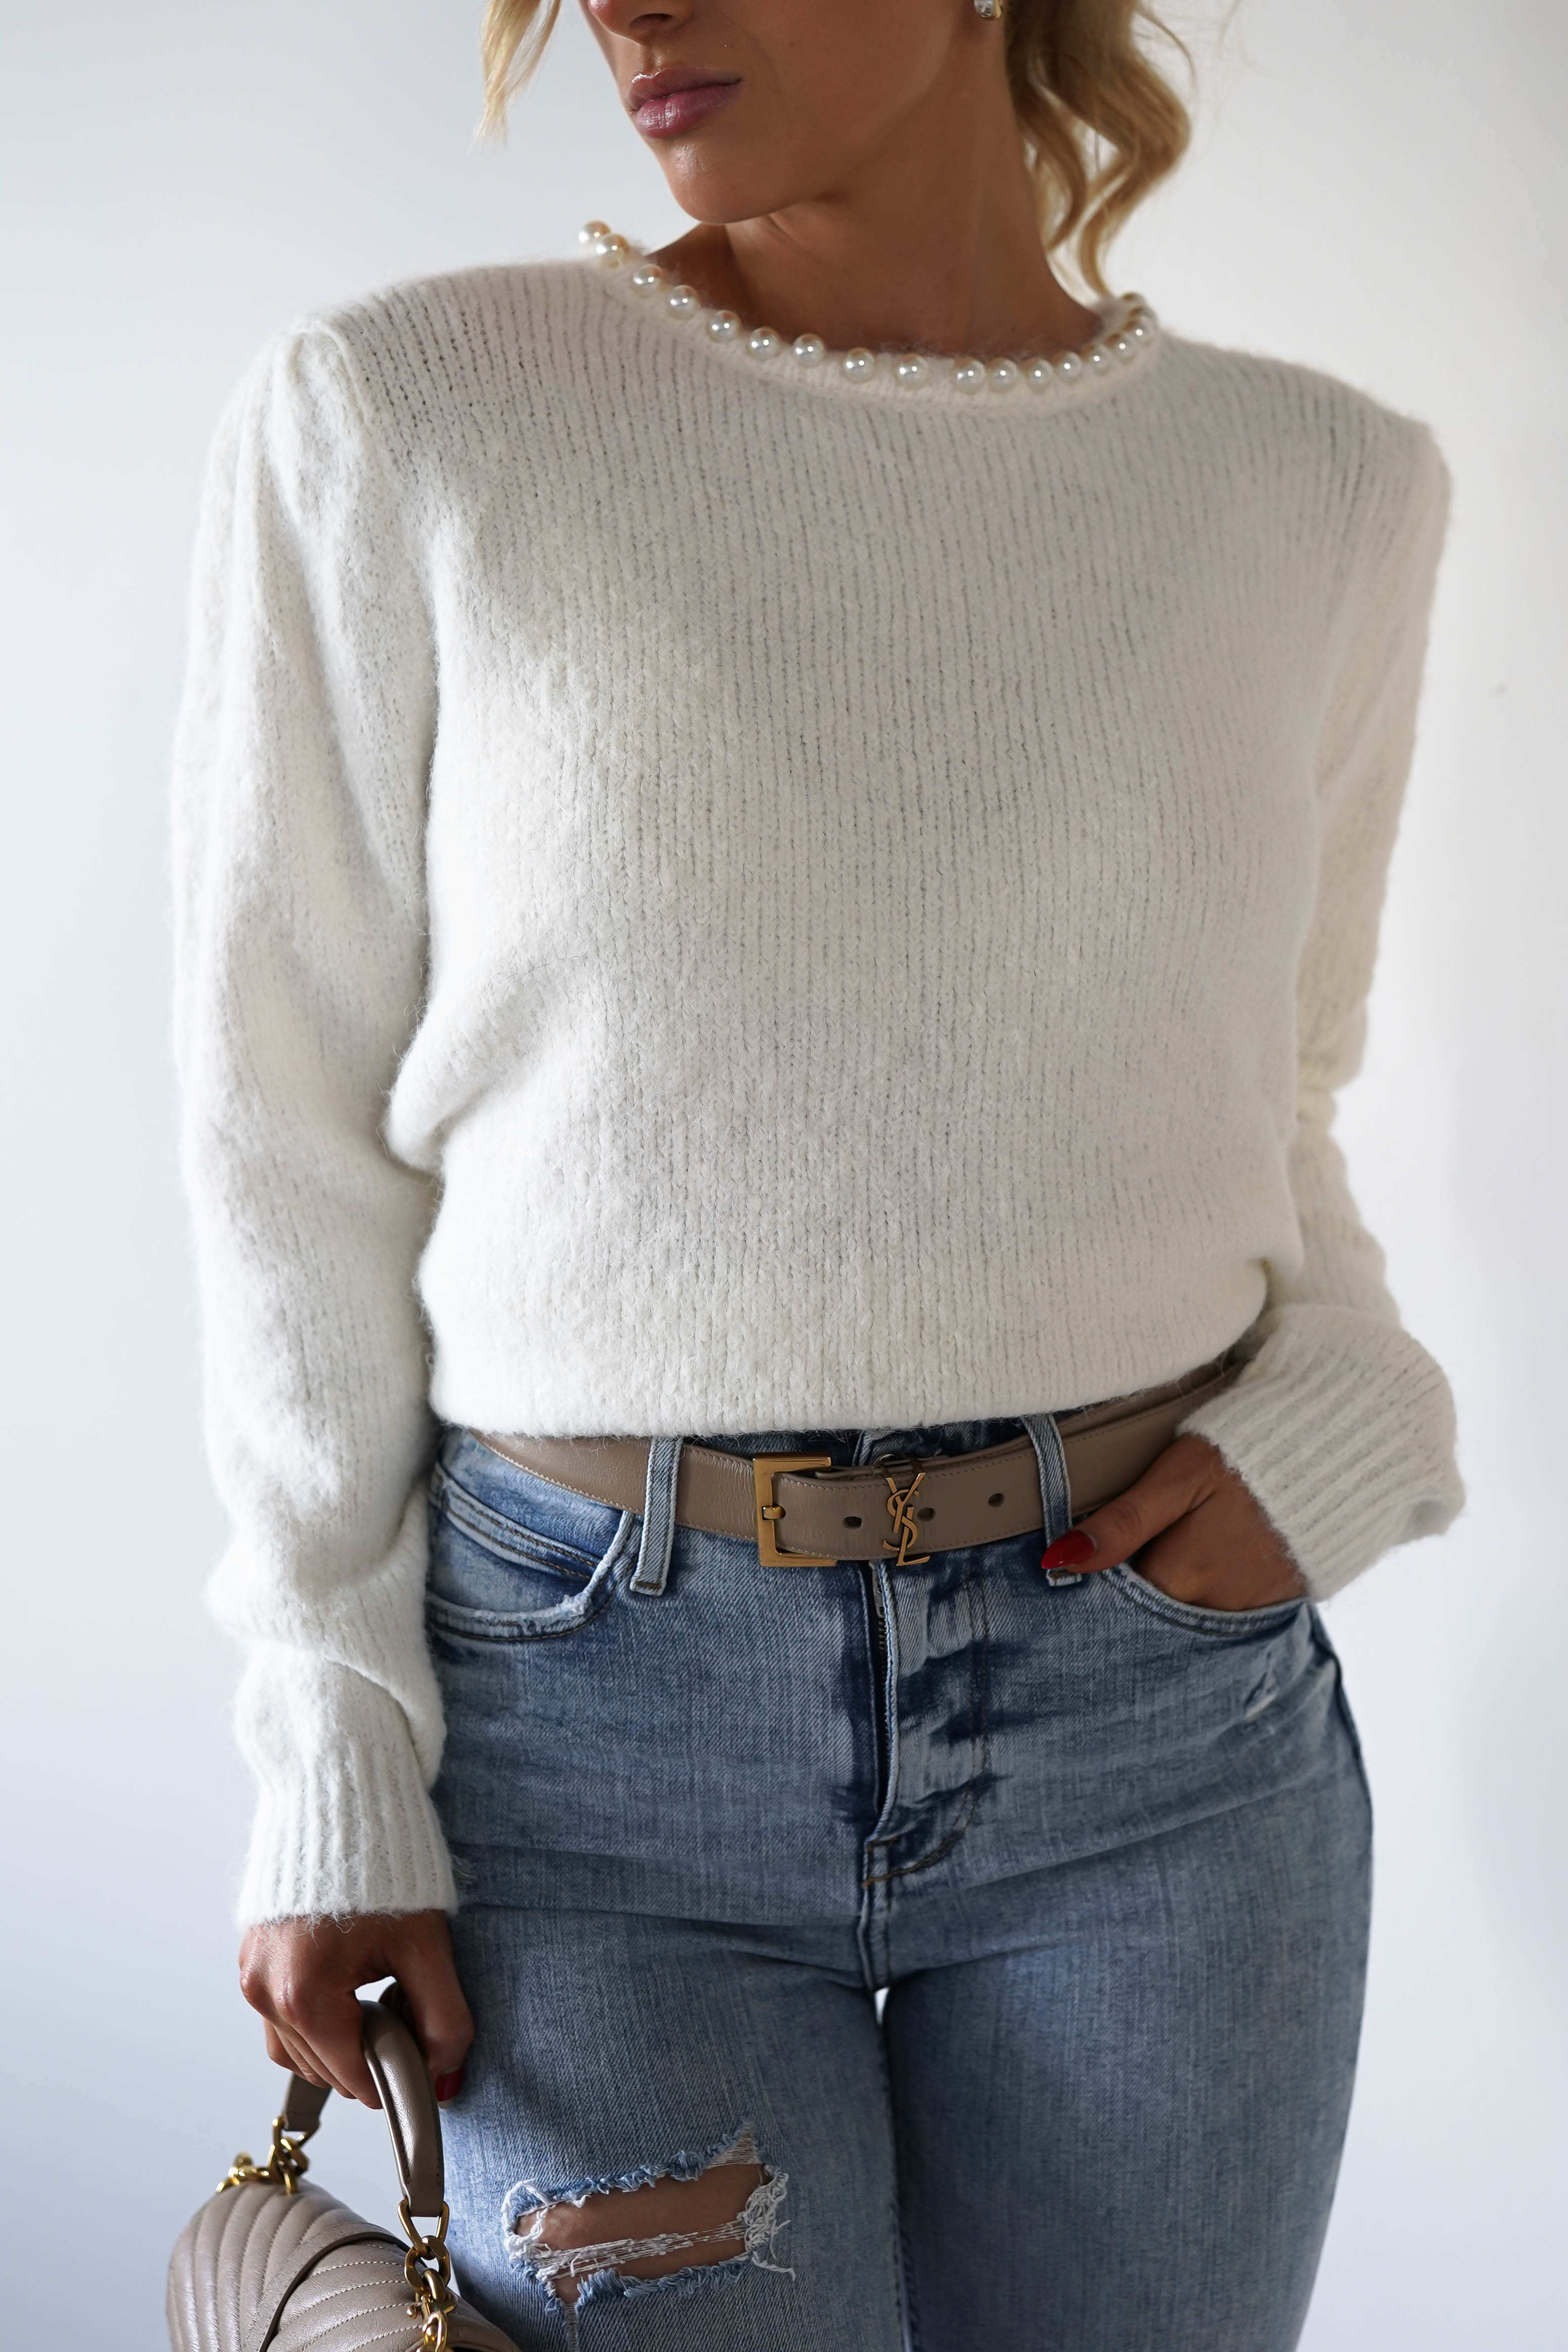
1101,124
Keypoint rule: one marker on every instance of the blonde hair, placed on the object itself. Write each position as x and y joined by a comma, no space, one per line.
1101,124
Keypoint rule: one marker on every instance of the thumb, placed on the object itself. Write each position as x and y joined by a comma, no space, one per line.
1166,1492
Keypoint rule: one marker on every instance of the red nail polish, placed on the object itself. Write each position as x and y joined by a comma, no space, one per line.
1069,1550
448,2085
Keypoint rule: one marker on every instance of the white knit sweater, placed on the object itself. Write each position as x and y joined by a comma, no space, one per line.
713,898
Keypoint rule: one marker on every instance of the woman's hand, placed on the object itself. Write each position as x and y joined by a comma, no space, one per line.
1196,1530
302,1975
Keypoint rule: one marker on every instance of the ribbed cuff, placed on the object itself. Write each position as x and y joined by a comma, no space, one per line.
355,1830
1343,1426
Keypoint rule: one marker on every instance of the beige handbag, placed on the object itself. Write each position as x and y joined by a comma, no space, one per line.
268,2265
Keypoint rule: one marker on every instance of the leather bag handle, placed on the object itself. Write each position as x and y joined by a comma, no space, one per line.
407,2101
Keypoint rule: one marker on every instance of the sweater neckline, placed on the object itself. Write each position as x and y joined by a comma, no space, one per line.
1129,337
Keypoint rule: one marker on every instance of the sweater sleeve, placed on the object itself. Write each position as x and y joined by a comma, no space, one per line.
1341,1424
302,756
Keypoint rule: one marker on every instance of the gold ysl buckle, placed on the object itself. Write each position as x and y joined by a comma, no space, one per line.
905,1530
765,1468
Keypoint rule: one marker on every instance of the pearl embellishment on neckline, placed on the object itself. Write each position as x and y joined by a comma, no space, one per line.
1128,333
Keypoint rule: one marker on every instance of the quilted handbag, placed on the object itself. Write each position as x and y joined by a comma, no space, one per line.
270,2263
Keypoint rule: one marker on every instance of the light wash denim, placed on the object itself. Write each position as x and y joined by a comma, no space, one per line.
1107,1855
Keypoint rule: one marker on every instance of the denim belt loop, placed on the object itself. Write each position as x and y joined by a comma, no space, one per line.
659,1516
1056,1499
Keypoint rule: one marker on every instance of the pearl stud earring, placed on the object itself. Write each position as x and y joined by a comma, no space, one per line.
988,8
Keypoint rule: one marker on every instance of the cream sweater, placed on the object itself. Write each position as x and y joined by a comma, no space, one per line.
711,896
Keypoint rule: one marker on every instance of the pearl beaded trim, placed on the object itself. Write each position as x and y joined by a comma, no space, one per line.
1130,331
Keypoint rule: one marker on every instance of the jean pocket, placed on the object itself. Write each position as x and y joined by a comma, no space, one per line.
1220,1624
514,1558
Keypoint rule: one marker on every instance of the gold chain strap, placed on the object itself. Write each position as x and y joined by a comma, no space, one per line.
285,2163
427,2267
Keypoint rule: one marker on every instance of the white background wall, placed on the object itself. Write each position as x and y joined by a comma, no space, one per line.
1381,191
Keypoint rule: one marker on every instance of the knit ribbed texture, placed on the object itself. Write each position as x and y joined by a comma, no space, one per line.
1344,1429
705,905
344,1822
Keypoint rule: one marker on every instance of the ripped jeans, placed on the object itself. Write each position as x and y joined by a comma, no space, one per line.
1007,1939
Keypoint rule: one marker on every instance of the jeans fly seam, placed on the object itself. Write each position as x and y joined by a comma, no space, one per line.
979,1687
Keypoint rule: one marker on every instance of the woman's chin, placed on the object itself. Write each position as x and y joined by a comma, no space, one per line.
717,187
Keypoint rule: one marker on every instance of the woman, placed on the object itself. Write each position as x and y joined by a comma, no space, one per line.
780,857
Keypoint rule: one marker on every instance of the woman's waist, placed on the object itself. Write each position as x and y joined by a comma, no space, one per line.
612,1328
815,1497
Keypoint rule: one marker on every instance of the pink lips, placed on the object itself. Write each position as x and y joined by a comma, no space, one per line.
677,100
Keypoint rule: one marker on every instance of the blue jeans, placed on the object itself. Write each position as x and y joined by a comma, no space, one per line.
1104,1858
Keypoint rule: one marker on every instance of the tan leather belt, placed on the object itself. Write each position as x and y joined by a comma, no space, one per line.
801,1513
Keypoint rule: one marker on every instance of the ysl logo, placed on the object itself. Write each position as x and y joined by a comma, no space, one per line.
906,1533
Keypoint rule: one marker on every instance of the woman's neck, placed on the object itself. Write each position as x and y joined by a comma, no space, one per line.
935,247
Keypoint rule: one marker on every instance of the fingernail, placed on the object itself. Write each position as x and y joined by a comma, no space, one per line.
1069,1550
448,2085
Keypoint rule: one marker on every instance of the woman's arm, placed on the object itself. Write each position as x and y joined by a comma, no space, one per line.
1342,1425
1338,1440
302,751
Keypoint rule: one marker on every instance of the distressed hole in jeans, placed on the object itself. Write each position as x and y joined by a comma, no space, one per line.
649,2228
